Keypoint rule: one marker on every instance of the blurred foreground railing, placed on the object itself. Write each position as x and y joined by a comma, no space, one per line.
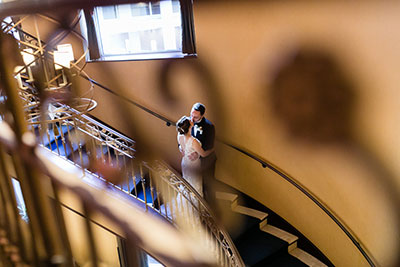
91,145
97,151
43,239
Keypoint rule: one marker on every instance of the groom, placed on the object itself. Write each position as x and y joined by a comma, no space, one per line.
204,131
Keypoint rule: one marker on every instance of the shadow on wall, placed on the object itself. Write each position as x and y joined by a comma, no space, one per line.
315,100
311,95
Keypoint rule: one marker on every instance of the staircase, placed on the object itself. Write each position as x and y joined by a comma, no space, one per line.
260,243
87,143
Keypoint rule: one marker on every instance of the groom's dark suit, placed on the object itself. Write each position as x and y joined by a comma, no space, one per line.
204,131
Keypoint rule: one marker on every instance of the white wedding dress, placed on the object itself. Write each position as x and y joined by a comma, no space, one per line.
191,169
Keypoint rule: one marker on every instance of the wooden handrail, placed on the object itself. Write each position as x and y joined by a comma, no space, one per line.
266,164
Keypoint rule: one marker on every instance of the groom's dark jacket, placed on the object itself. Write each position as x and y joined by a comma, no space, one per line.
204,131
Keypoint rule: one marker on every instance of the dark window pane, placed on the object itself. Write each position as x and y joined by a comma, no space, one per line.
155,8
140,9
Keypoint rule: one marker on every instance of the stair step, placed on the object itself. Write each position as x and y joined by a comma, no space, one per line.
256,246
288,237
306,258
283,260
249,211
226,196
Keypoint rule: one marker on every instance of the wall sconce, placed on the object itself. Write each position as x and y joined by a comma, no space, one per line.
62,59
29,60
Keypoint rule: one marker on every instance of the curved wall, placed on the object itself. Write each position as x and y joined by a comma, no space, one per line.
239,44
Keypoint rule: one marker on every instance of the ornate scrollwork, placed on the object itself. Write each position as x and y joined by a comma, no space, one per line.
202,210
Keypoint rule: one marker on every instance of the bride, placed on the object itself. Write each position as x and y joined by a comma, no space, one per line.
191,169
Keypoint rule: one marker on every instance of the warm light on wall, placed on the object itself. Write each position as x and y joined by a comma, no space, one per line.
19,70
62,59
63,56
29,60
28,57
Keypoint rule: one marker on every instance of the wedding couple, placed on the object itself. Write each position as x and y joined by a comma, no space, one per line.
196,137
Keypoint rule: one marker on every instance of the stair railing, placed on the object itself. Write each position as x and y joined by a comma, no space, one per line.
104,153
41,238
264,163
272,167
83,140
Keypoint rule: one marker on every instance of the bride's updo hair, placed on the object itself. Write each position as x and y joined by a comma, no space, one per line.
183,125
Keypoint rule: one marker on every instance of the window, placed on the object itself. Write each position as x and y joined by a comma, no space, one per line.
140,9
155,8
144,30
7,25
109,12
176,8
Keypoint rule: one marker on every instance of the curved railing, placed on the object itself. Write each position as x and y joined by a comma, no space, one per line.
108,155
266,164
302,189
154,184
99,137
36,240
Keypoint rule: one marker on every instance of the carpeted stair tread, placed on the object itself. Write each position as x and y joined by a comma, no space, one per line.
283,260
256,246
241,224
50,137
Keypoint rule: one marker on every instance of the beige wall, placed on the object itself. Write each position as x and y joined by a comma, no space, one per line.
240,42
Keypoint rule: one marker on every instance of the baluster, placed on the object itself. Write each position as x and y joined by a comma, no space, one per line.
61,226
195,216
226,262
116,152
93,155
63,140
41,135
90,236
186,207
179,206
11,199
80,148
158,192
143,185
171,201
151,189
55,137
207,238
108,152
216,247
11,219
134,177
195,213
43,230
221,253
48,137
3,256
164,190
126,172
103,160
5,224
70,140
